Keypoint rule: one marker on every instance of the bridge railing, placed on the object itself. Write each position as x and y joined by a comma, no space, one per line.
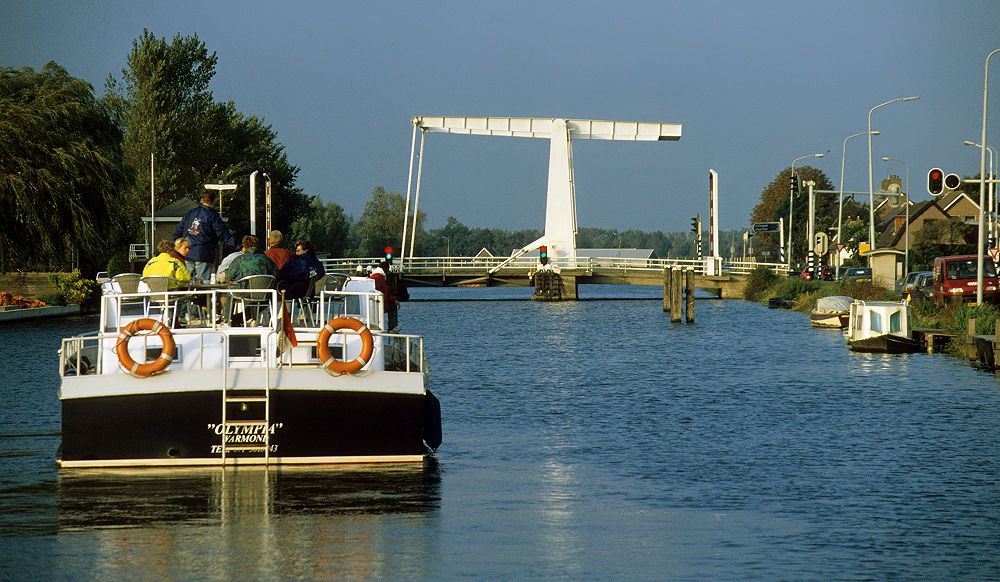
477,265
744,267
462,265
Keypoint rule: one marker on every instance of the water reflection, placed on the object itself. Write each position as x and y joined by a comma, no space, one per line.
252,522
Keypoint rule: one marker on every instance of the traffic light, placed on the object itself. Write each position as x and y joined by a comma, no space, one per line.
935,181
543,254
952,181
388,254
793,184
696,224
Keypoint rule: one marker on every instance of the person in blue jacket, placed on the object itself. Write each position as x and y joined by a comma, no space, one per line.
205,229
295,274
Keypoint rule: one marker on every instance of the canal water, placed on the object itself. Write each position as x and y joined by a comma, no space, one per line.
588,440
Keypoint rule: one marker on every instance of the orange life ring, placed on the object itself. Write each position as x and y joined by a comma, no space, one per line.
334,365
157,365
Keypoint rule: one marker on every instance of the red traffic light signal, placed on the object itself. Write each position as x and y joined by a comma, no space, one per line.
935,181
543,254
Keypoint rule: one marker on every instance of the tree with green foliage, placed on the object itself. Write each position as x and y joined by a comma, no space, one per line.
774,201
61,170
327,226
381,223
168,112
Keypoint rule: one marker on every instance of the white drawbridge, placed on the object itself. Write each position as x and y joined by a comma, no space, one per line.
560,207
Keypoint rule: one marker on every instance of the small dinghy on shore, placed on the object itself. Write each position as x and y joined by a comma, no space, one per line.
881,326
831,312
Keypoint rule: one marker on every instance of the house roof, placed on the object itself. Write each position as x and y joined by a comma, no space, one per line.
888,235
946,201
176,209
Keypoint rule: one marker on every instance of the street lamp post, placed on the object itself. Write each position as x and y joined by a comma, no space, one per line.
871,188
991,187
906,261
840,206
791,203
982,183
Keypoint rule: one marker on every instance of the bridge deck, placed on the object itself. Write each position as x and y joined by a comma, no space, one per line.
728,279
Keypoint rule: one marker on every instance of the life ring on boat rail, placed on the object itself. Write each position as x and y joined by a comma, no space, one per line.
159,364
333,365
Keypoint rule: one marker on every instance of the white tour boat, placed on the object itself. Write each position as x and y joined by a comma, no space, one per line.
165,380
881,326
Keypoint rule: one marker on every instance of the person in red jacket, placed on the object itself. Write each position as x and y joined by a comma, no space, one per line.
275,251
391,303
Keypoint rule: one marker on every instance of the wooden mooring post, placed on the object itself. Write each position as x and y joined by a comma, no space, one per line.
675,281
984,350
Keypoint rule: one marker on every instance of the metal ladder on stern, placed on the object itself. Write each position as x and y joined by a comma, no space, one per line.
249,432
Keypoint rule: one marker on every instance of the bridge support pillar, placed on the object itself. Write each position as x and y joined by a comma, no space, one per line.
551,286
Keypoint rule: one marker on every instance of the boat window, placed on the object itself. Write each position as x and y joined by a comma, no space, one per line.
894,321
244,346
858,319
876,321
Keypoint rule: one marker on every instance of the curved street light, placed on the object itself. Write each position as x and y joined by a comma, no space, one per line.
840,207
991,188
871,189
906,261
791,203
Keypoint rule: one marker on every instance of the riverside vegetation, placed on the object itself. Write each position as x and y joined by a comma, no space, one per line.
763,283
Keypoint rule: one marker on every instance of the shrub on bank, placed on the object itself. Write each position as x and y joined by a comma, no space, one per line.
759,282
794,288
70,288
986,321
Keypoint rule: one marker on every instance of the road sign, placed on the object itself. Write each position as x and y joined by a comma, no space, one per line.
765,227
994,253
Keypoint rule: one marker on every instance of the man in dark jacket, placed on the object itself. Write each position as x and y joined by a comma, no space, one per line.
205,229
295,274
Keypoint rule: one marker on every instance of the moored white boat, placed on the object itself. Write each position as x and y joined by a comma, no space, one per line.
881,326
831,312
149,388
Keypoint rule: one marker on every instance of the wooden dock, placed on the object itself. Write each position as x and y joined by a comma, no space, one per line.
932,340
983,350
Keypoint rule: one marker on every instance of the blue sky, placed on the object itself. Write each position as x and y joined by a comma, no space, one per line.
755,85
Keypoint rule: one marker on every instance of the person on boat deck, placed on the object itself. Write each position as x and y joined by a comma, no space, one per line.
224,265
295,274
391,303
182,247
203,227
250,262
277,253
165,264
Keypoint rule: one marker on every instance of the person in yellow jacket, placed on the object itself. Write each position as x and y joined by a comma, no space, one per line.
166,264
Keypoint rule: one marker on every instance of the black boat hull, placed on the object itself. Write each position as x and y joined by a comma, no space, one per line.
306,426
886,344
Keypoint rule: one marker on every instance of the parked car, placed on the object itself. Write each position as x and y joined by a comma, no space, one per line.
922,287
906,284
956,277
857,275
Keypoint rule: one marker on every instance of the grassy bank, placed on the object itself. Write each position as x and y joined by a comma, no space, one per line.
764,284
